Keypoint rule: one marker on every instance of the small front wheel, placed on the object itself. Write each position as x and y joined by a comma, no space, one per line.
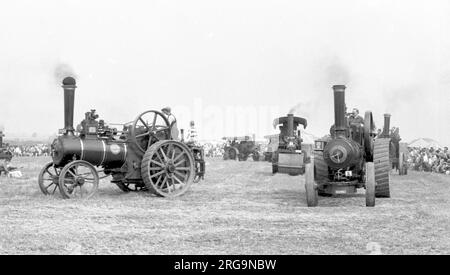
48,179
78,179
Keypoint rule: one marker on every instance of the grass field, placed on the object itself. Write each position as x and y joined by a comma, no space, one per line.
240,208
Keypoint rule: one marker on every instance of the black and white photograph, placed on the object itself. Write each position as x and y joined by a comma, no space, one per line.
253,128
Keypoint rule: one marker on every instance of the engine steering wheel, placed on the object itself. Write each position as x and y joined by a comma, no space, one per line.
148,128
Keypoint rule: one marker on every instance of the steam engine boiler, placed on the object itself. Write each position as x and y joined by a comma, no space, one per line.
144,155
289,158
350,158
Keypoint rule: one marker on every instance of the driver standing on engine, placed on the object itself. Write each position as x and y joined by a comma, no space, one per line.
355,118
172,122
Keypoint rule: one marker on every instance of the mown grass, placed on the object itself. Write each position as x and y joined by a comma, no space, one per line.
240,208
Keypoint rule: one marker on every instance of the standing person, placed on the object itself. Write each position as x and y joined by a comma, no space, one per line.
192,133
172,122
355,118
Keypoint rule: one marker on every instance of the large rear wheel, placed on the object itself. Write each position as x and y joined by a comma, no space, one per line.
168,168
382,167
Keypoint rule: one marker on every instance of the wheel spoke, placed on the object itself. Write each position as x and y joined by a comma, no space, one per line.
49,185
159,157
143,135
70,172
157,163
48,172
180,155
54,189
157,174
145,124
176,178
155,168
162,184
154,122
157,182
182,169
164,154
179,174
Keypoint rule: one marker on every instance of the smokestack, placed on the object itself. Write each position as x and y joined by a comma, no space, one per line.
339,109
290,125
1,139
182,135
69,85
387,126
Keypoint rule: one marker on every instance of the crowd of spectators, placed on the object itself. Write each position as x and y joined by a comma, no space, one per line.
34,150
430,160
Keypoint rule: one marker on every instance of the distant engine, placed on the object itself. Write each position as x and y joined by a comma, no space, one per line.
289,158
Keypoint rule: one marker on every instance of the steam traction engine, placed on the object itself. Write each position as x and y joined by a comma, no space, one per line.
350,158
289,158
398,151
240,148
145,155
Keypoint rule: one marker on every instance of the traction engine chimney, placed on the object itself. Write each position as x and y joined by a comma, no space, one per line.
290,125
69,85
387,121
339,109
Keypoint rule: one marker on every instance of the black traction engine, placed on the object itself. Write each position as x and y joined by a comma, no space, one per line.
145,155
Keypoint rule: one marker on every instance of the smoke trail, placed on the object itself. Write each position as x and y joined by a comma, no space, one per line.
63,70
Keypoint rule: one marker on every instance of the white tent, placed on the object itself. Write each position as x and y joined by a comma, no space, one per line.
425,143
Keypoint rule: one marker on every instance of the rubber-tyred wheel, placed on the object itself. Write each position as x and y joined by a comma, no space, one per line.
48,179
78,179
149,127
168,168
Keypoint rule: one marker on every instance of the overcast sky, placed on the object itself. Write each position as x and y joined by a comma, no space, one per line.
207,58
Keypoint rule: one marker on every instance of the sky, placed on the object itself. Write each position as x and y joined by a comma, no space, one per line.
231,66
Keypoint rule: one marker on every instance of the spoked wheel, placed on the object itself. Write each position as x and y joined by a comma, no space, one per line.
168,168
149,127
48,179
78,179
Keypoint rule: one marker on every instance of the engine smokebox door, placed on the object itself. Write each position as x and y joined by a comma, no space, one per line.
291,163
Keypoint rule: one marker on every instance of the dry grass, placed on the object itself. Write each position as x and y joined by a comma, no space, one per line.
239,209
